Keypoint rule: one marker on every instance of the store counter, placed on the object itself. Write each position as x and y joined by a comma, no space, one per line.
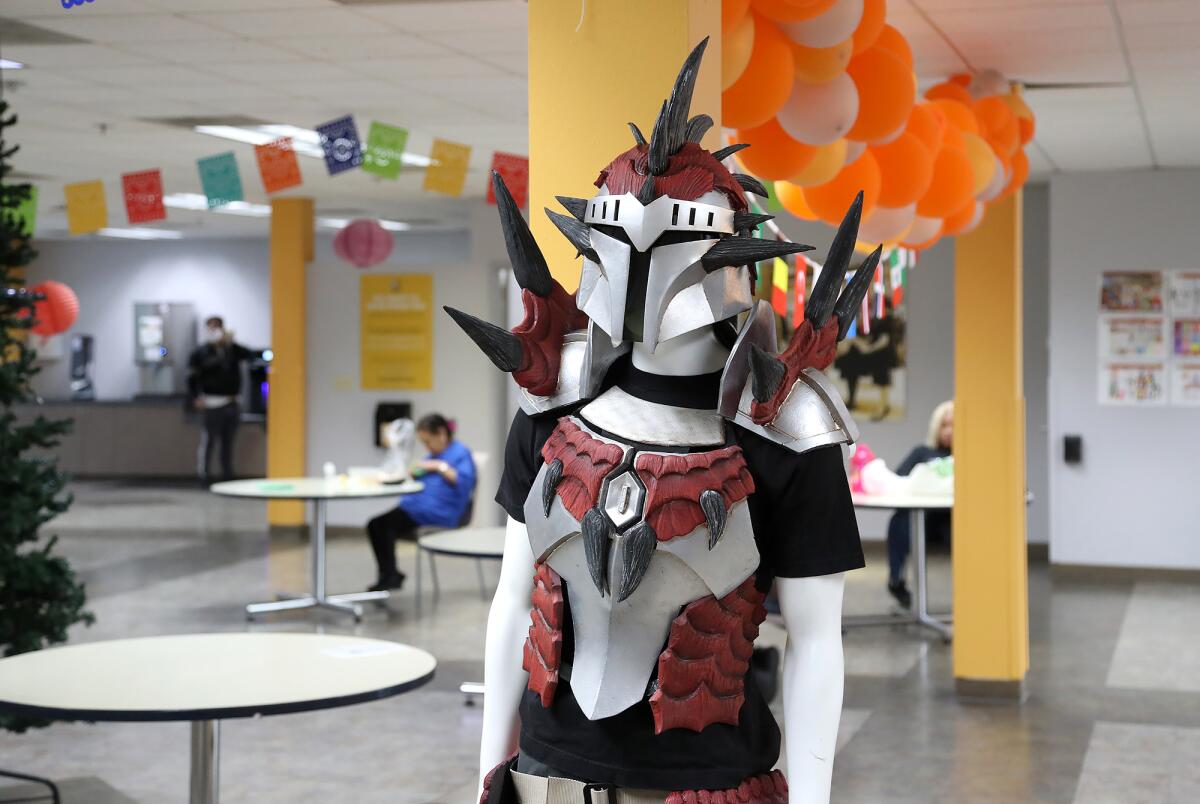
146,437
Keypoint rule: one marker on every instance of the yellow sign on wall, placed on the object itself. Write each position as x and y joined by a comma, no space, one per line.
396,331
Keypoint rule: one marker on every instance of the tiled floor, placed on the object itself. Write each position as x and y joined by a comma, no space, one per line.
1113,713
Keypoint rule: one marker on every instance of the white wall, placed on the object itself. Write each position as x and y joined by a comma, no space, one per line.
1036,288
1131,502
466,386
230,278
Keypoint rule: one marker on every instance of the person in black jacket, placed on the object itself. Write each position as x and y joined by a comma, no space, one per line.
214,382
938,444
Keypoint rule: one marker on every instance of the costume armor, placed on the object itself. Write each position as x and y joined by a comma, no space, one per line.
638,517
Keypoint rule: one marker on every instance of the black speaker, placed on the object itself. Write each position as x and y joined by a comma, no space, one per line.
1073,449
388,412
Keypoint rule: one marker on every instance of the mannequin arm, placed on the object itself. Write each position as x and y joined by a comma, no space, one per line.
813,676
504,680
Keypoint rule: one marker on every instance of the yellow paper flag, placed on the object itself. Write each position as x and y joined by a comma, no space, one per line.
448,173
86,210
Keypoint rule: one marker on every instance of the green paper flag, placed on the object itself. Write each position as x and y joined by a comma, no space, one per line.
385,147
27,211
773,205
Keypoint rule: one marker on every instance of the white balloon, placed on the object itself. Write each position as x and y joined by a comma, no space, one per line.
997,184
988,82
854,149
886,138
923,229
828,29
887,223
818,114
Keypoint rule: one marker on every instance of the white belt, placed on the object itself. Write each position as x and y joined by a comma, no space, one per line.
553,790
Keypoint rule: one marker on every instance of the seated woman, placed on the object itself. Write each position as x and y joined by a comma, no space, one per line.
449,478
937,523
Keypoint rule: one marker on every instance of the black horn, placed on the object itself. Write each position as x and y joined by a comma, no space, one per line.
528,263
501,346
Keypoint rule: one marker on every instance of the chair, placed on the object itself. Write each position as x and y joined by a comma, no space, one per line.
480,459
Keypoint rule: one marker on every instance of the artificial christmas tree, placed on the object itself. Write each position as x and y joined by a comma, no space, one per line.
40,598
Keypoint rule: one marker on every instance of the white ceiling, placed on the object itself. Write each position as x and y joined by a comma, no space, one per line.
457,70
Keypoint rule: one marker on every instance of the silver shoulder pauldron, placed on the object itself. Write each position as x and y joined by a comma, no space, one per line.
586,358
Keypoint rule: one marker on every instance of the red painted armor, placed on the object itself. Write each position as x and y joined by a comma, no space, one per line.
674,484
586,461
543,646
766,788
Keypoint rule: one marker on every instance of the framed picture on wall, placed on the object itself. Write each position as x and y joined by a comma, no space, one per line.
1131,292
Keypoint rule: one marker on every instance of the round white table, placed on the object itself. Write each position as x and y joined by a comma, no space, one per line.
916,505
206,678
478,543
320,491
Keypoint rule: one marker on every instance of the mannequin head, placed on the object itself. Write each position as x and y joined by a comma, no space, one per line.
435,432
941,426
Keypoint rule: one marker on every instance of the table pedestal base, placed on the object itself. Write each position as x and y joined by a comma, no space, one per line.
206,767
317,599
919,614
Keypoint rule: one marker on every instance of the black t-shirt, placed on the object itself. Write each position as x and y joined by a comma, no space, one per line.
804,525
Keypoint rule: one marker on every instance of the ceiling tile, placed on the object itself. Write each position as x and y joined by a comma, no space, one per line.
357,48
283,73
32,9
302,22
131,27
504,40
211,52
407,70
482,15
68,58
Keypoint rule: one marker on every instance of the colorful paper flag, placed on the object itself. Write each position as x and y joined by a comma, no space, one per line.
798,298
385,147
277,164
448,173
339,140
220,179
86,208
779,287
514,170
144,196
26,212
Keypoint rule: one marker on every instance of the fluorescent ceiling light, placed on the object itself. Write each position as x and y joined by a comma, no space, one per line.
341,223
196,201
139,233
9,64
305,141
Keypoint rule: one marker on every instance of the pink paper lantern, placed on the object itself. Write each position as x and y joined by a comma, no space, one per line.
363,242
58,311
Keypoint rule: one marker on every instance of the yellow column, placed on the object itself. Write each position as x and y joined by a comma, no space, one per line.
592,68
291,251
991,606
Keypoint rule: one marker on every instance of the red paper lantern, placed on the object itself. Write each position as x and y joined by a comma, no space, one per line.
57,311
363,242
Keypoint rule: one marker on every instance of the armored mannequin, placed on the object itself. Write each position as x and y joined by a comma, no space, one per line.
666,467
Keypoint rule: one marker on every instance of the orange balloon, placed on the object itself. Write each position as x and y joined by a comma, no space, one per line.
828,160
736,47
764,86
819,65
959,219
873,18
885,94
905,170
893,41
831,200
962,79
792,198
1020,172
950,90
732,12
958,115
998,124
1025,121
927,124
953,138
952,187
791,10
772,153
983,161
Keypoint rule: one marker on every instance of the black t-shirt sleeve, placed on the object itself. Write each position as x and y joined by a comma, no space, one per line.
522,460
802,510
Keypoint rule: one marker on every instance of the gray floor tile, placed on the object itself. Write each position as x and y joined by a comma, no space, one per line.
1148,654
1131,763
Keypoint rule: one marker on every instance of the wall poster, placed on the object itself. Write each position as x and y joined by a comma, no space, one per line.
1185,386
1131,292
1133,337
1133,384
870,368
396,331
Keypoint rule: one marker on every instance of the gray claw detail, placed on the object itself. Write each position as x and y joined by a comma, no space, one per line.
646,194
578,233
744,221
637,548
848,303
713,505
697,127
501,346
638,136
554,473
825,292
766,374
721,154
743,250
596,543
750,184
576,206
528,262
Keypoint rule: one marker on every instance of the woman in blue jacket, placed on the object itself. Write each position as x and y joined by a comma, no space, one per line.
449,478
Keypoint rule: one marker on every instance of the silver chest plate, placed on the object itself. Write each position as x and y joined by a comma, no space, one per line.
617,643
